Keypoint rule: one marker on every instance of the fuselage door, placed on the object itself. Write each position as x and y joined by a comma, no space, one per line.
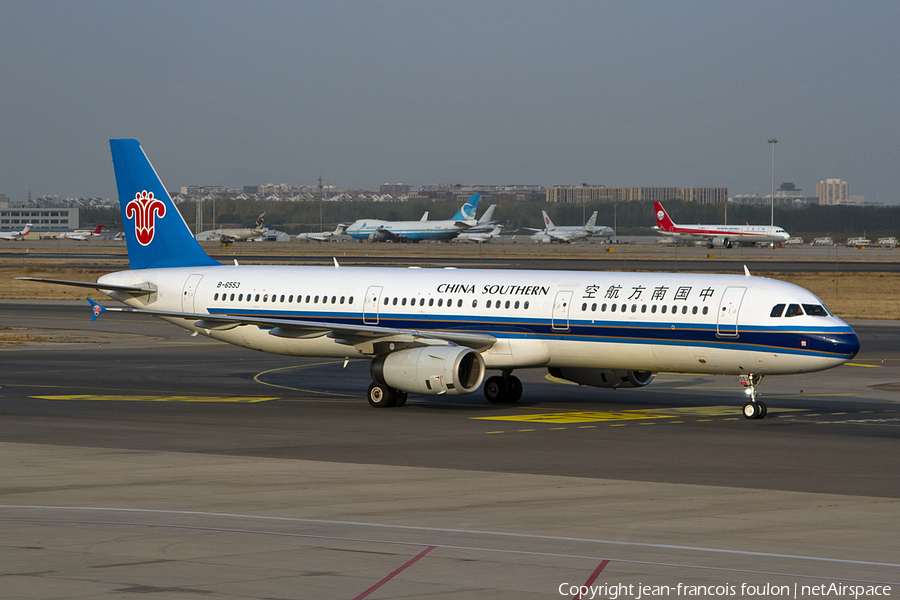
370,307
190,292
561,307
729,306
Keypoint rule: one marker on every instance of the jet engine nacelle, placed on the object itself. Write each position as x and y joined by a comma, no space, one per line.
430,370
719,242
603,378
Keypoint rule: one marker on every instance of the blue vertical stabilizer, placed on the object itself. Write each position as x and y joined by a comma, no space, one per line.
155,231
467,212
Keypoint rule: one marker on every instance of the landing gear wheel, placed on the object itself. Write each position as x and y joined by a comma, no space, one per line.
401,398
496,389
751,410
381,396
515,389
755,410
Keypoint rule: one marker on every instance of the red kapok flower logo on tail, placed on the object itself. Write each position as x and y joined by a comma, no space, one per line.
144,209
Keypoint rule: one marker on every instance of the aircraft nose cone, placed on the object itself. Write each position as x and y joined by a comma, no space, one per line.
849,344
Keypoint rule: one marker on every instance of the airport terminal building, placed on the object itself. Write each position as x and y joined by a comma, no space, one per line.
584,193
12,217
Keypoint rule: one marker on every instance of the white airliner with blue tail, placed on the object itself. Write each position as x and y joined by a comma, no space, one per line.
437,331
377,230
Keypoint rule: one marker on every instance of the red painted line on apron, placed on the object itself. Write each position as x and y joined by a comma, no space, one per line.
409,563
593,577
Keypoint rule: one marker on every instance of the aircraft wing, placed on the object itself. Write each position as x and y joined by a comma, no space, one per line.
367,338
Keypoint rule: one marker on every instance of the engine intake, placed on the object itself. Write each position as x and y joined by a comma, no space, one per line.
603,378
430,370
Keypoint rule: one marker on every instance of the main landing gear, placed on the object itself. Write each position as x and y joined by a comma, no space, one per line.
384,396
503,389
754,409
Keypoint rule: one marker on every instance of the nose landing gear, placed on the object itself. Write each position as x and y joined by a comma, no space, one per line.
753,409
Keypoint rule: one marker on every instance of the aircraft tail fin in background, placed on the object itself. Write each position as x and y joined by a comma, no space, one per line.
548,224
467,212
488,215
592,222
156,233
662,218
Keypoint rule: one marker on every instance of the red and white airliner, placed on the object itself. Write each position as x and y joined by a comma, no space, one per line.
718,236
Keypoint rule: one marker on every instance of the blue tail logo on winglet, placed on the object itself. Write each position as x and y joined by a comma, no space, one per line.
96,310
155,231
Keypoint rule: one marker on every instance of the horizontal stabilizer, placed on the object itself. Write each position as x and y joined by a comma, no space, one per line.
142,289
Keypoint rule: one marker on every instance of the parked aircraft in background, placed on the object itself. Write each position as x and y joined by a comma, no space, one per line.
15,235
324,236
81,235
238,235
436,331
717,236
486,223
555,234
376,230
480,237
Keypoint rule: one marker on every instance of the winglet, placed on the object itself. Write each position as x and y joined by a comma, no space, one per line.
96,310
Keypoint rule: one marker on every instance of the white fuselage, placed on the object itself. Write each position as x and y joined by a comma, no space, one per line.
697,323
733,233
363,229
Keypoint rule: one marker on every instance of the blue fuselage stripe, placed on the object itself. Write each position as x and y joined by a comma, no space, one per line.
811,341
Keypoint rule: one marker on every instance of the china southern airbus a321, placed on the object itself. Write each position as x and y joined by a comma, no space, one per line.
437,331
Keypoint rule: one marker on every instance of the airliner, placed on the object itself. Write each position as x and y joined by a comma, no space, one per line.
376,230
569,233
241,234
438,331
717,236
15,235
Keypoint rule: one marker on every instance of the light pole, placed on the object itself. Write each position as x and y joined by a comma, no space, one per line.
773,141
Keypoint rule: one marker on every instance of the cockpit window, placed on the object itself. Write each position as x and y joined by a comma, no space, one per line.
793,310
777,310
815,310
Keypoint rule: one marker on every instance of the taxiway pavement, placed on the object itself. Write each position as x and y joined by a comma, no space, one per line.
140,459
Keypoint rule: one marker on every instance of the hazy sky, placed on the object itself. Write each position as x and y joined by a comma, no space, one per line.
661,92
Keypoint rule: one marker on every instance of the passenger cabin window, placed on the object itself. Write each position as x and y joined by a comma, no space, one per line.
793,310
777,310
815,310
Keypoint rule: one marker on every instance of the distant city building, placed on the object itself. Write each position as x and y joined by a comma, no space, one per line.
394,189
588,193
788,190
489,193
836,191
